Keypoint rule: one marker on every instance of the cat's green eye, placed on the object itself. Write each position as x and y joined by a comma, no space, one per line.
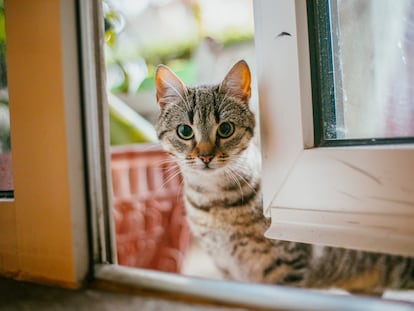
185,131
225,129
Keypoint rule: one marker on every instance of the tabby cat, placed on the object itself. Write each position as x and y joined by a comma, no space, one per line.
208,130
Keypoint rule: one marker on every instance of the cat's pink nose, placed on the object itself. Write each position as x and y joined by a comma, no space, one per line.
206,158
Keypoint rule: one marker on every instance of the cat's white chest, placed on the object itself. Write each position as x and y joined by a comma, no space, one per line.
212,233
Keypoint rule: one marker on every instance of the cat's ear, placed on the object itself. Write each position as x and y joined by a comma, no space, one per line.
237,81
168,86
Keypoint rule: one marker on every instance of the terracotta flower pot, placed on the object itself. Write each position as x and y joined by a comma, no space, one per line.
6,175
151,230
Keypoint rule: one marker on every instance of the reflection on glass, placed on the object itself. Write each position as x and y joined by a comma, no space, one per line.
373,48
6,184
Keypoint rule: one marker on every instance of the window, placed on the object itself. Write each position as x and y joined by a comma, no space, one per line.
367,70
6,178
355,196
43,231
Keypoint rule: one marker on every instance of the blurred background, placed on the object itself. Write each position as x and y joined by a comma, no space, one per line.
6,180
198,39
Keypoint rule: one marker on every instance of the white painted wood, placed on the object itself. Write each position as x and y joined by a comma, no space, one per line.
357,197
279,91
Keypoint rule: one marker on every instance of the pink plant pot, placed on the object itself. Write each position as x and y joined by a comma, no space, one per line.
151,230
6,175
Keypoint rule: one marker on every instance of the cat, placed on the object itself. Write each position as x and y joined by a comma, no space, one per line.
208,131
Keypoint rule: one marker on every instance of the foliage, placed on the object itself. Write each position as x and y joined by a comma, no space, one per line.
127,126
2,22
3,76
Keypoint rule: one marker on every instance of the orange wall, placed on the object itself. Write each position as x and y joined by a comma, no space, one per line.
35,229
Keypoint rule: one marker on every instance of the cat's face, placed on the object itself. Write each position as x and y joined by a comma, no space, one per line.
205,128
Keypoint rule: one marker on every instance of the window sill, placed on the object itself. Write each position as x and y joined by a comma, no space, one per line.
240,294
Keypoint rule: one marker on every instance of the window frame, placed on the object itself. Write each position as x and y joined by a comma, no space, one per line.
253,295
96,120
43,229
338,196
326,73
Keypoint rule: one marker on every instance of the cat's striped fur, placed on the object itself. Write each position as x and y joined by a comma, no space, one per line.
223,201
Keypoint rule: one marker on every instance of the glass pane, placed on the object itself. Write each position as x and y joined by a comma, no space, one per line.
6,182
373,45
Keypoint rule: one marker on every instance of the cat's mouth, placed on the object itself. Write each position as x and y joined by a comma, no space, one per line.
201,165
205,167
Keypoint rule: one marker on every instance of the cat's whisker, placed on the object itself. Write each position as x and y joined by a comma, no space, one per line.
169,161
239,175
171,177
180,190
168,166
170,171
239,184
234,178
183,171
241,172
163,162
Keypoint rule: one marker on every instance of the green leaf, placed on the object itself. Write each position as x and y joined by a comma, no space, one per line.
126,125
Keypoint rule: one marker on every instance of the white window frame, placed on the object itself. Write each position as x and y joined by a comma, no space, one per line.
357,197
